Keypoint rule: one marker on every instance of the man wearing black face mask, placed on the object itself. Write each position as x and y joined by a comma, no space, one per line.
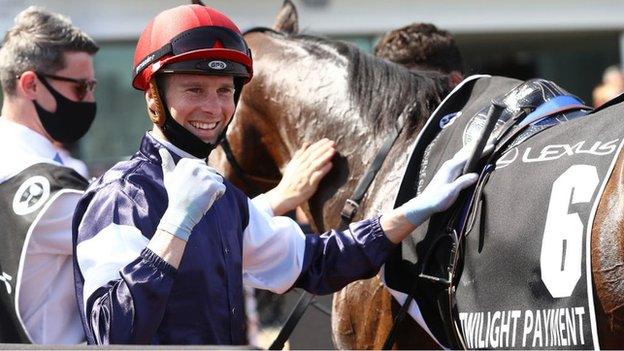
47,77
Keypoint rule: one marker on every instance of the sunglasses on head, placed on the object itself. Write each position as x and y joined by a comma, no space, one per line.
82,86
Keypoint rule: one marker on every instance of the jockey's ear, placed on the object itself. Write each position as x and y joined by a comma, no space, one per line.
155,108
287,20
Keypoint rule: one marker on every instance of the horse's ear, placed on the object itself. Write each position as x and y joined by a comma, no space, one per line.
197,2
287,20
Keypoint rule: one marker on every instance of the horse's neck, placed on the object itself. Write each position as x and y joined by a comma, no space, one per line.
360,155
384,189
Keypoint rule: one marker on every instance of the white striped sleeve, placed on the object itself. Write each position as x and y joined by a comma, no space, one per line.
262,203
273,250
101,257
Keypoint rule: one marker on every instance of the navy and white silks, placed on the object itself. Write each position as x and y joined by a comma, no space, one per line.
38,195
128,294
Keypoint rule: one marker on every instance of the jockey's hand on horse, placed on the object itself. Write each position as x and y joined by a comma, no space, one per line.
443,189
192,188
301,176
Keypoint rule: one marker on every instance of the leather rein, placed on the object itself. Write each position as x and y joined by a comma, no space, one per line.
347,214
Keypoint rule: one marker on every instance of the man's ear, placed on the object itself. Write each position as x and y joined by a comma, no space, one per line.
27,85
155,108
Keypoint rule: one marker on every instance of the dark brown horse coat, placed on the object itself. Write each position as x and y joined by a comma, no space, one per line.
354,99
307,88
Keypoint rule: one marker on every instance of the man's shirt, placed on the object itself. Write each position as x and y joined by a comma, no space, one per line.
41,289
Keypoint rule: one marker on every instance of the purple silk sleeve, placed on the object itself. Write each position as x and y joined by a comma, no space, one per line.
130,310
337,258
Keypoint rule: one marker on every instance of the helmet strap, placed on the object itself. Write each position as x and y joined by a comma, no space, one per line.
184,139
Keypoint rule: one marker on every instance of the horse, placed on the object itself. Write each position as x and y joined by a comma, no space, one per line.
306,88
252,136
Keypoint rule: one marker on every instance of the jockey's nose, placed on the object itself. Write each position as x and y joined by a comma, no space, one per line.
211,104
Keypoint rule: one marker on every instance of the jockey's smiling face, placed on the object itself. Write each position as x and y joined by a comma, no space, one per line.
202,104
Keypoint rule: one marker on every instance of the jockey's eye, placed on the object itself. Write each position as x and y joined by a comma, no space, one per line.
226,91
194,90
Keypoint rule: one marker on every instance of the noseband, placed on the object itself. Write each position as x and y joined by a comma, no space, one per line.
249,180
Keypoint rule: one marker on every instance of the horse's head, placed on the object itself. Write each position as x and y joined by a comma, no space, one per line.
249,135
306,88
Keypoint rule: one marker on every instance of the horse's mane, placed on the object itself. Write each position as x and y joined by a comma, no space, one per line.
384,91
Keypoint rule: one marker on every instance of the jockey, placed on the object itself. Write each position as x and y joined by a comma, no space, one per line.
163,244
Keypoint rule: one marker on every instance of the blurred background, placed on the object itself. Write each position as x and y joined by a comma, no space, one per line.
568,41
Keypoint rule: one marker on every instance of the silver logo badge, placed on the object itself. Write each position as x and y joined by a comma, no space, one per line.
217,65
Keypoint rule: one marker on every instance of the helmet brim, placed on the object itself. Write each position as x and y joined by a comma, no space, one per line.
207,66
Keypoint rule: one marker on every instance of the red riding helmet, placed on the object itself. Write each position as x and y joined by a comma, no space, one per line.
191,39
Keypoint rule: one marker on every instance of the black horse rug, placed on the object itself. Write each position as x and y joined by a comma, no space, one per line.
524,280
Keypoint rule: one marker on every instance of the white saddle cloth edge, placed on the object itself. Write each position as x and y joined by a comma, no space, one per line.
413,311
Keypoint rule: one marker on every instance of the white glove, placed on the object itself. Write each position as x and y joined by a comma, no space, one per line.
443,189
192,187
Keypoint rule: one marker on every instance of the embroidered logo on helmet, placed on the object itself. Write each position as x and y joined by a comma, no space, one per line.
143,63
31,195
217,65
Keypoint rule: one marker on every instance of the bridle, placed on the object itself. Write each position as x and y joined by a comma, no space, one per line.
347,214
248,180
